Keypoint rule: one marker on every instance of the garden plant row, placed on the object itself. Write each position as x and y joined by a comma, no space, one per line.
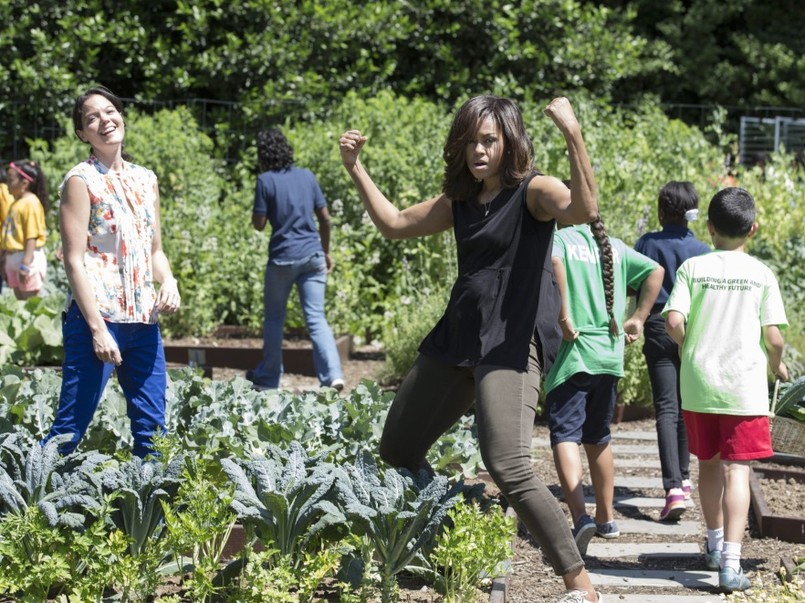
322,519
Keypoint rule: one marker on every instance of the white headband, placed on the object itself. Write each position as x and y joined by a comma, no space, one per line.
692,215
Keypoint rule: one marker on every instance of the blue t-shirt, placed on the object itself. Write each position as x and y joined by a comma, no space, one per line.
669,247
287,199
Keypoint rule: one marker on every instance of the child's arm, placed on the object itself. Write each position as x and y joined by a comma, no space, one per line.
649,290
27,259
565,320
675,327
773,340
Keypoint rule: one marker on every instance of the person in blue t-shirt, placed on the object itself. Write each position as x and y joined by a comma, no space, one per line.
288,197
677,204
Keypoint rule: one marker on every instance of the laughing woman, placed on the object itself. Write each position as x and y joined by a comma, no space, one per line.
113,258
499,333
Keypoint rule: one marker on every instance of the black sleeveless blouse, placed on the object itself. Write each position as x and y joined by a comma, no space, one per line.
505,291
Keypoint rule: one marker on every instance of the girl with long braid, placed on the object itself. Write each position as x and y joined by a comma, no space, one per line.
594,273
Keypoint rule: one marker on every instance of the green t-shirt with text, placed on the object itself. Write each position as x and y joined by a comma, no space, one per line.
595,351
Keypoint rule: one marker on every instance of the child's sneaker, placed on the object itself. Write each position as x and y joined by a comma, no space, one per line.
687,488
583,533
578,596
674,505
607,530
712,559
729,580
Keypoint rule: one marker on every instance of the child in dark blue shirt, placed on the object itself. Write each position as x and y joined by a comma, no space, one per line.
677,204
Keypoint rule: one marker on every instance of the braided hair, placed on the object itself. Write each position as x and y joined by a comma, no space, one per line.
607,271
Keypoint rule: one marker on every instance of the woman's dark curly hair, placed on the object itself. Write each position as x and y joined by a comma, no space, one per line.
274,152
458,183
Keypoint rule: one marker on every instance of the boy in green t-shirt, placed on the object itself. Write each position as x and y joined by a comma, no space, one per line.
725,312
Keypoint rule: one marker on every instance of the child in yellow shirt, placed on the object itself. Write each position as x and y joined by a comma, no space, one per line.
23,232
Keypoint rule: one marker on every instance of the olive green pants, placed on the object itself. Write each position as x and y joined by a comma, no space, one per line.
434,395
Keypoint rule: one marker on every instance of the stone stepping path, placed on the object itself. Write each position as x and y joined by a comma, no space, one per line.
683,586
636,501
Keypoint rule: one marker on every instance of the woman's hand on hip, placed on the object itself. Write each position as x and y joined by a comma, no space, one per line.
168,298
105,347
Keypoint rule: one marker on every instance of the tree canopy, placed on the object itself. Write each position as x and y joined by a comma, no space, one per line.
297,59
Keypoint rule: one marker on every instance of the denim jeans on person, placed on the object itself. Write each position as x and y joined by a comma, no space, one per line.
662,359
434,395
141,376
310,277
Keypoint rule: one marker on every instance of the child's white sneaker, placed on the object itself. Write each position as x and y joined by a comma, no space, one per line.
579,596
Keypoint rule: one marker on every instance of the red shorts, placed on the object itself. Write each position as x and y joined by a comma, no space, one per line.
734,437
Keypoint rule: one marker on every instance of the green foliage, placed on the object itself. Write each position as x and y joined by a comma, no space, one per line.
198,525
38,558
270,576
474,545
406,327
35,475
790,400
635,387
284,501
28,400
398,512
138,490
403,155
30,330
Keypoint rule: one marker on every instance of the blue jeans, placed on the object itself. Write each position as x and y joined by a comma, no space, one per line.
141,375
310,277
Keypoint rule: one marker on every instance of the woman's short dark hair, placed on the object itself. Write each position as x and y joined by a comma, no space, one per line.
78,106
676,197
518,157
274,152
732,212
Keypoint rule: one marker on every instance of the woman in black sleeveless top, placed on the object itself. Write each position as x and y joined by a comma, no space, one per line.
500,331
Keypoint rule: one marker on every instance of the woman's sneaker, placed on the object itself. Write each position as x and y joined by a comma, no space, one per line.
729,580
583,533
607,530
674,505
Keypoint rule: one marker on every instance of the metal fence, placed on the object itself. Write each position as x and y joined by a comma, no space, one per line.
760,136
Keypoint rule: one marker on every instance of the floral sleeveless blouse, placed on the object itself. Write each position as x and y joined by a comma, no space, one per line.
120,233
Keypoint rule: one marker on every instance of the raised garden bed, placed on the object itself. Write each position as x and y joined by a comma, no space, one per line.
786,528
789,575
246,353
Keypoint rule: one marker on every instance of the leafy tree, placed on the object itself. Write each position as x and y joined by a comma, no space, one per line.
746,52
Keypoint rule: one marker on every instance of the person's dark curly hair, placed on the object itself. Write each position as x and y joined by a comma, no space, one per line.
274,152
